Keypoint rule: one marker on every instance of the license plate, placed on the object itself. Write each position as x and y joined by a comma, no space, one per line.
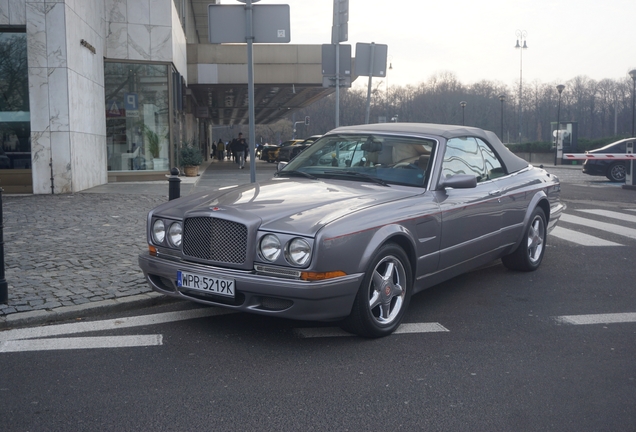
208,284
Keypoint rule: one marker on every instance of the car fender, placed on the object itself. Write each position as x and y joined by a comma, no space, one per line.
389,233
539,199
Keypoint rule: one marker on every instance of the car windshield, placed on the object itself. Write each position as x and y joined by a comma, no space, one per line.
391,159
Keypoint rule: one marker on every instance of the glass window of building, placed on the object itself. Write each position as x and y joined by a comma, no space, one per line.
15,121
137,116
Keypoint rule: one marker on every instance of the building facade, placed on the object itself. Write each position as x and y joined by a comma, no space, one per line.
94,91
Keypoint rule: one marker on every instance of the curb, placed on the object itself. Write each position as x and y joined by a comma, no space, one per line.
47,316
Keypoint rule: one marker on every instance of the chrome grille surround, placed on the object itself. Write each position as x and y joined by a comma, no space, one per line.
213,239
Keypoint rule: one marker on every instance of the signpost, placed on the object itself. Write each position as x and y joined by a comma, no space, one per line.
251,24
370,61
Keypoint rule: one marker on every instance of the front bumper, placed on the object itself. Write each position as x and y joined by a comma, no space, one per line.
267,295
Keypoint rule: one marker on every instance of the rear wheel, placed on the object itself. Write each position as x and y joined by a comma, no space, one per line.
529,254
616,172
383,296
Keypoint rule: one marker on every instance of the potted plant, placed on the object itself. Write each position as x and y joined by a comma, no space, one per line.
153,138
190,158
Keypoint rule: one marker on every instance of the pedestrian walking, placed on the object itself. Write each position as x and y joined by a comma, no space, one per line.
240,147
220,149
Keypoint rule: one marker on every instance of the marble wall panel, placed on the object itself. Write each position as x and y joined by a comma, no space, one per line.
4,12
179,58
138,42
61,155
40,158
138,11
58,99
160,43
17,12
117,41
36,34
161,13
56,35
86,106
39,98
115,11
88,160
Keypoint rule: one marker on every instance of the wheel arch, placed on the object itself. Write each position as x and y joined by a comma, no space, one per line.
391,234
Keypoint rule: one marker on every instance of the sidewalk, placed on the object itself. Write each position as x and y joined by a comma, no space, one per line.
70,256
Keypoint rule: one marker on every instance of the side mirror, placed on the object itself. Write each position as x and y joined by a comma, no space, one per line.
459,181
280,166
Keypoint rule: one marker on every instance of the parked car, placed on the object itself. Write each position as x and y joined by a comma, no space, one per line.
352,240
264,155
287,153
272,152
614,170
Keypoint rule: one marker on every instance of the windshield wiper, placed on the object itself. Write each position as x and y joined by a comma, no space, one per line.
296,173
358,174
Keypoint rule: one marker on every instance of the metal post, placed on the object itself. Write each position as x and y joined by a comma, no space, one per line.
174,184
366,117
250,87
463,105
502,98
560,88
521,36
4,291
632,73
337,84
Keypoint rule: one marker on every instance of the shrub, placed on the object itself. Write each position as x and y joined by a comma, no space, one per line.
190,156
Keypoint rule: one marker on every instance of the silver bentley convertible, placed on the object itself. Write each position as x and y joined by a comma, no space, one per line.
355,225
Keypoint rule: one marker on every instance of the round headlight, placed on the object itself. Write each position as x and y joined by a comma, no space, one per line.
174,234
298,252
270,247
158,231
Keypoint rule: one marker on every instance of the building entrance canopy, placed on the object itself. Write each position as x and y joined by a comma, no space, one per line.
286,78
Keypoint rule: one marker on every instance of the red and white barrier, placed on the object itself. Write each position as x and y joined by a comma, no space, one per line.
599,156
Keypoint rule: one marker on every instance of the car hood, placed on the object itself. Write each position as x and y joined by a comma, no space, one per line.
296,206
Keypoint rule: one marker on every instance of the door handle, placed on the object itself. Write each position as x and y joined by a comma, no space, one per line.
494,192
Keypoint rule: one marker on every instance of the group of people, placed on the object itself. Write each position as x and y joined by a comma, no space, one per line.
235,150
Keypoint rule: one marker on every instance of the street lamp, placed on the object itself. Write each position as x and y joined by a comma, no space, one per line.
463,105
632,73
560,88
502,98
521,44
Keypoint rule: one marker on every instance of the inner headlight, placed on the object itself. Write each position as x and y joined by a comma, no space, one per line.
158,231
270,247
175,234
298,252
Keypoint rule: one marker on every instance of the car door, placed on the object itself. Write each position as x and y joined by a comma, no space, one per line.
472,217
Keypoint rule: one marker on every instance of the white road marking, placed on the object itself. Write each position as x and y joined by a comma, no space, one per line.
91,326
612,318
611,214
580,238
80,343
316,332
603,226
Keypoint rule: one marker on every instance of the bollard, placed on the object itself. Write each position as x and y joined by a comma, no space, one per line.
174,184
4,292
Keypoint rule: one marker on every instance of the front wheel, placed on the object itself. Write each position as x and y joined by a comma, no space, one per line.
383,296
529,254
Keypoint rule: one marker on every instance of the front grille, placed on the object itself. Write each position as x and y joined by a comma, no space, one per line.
213,239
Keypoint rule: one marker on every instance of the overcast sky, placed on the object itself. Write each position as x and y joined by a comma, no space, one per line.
475,40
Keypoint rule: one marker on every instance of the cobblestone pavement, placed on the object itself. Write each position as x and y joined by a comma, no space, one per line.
67,256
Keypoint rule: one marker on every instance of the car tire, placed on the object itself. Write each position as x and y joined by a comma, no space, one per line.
383,296
616,172
529,254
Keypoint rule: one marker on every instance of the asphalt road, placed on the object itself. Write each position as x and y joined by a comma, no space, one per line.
502,358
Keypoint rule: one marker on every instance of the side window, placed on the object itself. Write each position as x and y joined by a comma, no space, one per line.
492,164
463,156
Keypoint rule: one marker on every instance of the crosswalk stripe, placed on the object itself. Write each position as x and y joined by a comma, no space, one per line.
612,318
321,332
580,238
611,214
80,343
603,226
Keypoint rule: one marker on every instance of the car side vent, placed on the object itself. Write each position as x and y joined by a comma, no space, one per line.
214,239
